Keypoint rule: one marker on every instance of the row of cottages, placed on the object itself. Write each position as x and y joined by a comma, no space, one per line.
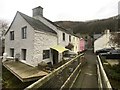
36,39
103,41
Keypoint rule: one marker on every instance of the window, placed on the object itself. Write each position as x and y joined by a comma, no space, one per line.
24,32
11,35
12,52
73,38
69,38
63,36
24,54
46,54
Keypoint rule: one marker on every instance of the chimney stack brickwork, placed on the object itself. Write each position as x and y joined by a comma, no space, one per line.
38,11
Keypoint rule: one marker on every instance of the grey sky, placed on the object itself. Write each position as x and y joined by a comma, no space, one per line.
55,10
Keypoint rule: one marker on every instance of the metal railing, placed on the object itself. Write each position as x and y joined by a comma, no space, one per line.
103,81
61,77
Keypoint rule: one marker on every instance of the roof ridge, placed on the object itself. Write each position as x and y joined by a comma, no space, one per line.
58,26
63,29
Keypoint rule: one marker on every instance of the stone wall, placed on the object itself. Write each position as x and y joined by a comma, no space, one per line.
42,41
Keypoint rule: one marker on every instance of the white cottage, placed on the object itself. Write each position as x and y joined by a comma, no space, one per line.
103,41
36,39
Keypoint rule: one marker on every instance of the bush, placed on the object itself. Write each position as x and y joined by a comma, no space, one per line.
116,68
113,71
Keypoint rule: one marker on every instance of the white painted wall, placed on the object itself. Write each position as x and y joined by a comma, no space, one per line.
57,30
75,42
102,42
42,41
60,39
18,43
60,36
36,41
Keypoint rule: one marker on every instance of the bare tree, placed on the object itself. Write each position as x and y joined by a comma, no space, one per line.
115,38
3,28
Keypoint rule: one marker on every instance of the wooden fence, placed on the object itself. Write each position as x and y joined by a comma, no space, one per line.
61,77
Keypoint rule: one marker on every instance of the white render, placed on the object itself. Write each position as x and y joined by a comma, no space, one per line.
18,43
35,43
103,41
75,41
57,30
37,40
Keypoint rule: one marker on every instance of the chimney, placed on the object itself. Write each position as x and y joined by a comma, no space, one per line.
107,31
38,11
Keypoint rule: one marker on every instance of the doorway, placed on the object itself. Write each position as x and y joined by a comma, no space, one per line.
24,54
54,56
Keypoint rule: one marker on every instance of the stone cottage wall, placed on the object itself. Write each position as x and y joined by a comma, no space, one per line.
42,41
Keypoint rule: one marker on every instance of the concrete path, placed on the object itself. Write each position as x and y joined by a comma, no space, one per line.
88,76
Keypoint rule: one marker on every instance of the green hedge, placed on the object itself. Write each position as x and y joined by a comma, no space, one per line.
113,71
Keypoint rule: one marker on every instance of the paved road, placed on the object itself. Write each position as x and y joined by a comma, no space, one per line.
88,76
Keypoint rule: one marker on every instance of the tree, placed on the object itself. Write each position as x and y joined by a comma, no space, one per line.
3,28
115,38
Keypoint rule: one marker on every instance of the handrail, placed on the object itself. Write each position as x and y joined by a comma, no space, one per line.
108,85
67,81
99,78
46,78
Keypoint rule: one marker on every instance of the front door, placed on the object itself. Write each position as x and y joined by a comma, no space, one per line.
55,56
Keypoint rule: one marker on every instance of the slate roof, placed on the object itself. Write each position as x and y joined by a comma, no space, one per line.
60,28
36,24
96,36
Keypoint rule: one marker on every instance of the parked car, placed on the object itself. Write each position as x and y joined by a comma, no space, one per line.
104,50
112,54
69,55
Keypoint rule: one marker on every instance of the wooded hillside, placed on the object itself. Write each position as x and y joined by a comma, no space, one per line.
90,27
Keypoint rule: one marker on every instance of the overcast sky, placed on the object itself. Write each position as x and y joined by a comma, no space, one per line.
56,10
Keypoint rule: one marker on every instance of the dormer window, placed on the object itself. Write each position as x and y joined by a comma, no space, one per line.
11,35
24,32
